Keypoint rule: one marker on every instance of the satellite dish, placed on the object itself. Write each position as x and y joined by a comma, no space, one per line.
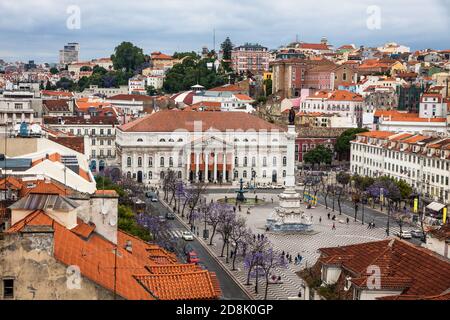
104,211
113,221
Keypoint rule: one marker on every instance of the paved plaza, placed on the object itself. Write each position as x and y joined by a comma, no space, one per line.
306,245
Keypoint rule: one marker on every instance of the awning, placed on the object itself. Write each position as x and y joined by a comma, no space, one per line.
435,206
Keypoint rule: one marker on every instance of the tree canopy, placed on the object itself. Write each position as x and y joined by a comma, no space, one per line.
318,155
128,57
184,75
343,142
227,47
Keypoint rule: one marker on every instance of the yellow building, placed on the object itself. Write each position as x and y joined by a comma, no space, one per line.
267,76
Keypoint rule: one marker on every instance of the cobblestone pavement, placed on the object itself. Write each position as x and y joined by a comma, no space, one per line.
306,245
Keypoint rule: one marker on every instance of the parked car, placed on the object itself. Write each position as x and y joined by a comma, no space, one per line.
170,216
404,234
192,257
152,196
188,236
417,233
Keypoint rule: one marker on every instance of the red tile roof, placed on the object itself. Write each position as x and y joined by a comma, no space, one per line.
11,183
411,269
168,121
95,256
57,93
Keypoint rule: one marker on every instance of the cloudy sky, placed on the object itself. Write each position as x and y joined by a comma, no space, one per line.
31,29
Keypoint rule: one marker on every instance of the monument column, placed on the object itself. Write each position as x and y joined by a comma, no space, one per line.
290,157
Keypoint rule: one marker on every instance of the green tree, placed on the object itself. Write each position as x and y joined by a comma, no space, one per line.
54,70
65,84
128,57
268,86
151,91
85,68
342,146
318,155
227,47
180,55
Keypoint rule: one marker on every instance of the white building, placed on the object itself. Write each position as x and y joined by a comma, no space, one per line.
393,48
220,147
156,82
99,146
345,103
422,161
16,107
433,106
132,104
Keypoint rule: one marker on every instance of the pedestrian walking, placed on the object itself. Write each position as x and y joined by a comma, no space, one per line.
320,219
240,208
328,215
348,220
258,237
234,209
334,227
271,199
334,217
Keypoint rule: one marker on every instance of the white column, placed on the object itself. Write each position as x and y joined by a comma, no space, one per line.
197,165
224,168
188,161
290,163
215,166
206,166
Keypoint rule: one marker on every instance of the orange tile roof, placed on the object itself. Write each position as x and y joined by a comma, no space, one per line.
412,269
172,268
243,97
46,187
228,88
410,119
11,183
387,113
401,136
179,286
110,193
57,93
343,95
95,257
415,139
377,134
168,121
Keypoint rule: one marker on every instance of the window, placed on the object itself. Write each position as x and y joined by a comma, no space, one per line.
161,161
253,162
284,161
8,288
102,131
93,142
129,162
109,142
245,161
150,162
236,161
265,162
101,153
170,162
162,140
150,175
264,174
140,162
284,173
101,142
93,132
274,161
140,140
109,131
244,174
179,174
109,152
93,153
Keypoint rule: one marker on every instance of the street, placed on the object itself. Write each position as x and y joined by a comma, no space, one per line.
230,290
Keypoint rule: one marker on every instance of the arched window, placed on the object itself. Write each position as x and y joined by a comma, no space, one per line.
236,140
139,161
170,162
236,174
284,173
179,175
129,175
264,174
162,140
244,174
140,140
236,161
150,162
274,161
180,160
129,162
265,162
284,161
171,140
253,161
161,161
161,175
150,175
180,140
245,140
245,161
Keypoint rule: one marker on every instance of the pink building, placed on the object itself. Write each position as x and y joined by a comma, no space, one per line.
252,57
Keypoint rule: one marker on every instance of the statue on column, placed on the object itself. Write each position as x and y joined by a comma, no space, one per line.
292,116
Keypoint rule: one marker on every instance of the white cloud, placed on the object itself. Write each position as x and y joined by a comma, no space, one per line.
29,26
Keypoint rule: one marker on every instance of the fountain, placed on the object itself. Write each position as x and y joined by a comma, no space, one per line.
240,193
288,216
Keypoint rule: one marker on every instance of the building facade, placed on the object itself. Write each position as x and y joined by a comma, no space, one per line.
250,57
214,147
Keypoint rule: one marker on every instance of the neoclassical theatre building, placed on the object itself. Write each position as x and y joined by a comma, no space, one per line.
214,147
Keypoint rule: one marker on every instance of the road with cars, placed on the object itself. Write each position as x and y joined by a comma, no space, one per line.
230,289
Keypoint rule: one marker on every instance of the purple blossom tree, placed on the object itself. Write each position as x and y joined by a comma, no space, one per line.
252,260
237,236
271,260
154,226
214,215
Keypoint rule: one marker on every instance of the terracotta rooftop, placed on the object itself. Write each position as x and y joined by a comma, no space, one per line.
56,105
95,256
411,269
169,121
